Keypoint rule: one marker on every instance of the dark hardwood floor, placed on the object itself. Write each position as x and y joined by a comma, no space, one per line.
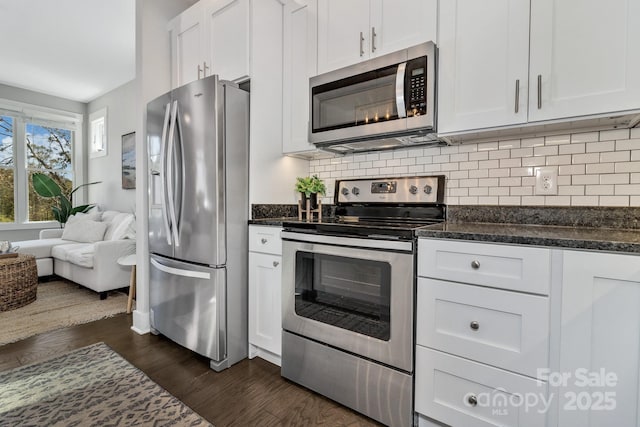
250,393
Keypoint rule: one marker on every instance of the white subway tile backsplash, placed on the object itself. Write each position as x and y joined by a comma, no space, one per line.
572,149
594,168
614,134
599,168
532,142
557,140
585,137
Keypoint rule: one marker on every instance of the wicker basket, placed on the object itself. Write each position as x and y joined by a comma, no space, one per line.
18,281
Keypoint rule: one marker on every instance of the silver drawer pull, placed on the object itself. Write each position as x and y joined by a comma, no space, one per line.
276,263
263,240
474,325
472,399
475,264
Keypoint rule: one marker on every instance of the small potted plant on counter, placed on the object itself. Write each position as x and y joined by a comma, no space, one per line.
309,187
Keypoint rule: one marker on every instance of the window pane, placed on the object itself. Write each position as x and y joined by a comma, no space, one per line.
39,207
6,141
48,148
6,195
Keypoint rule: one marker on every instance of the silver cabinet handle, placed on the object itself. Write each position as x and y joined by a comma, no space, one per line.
206,67
263,241
199,71
539,91
475,264
373,39
474,325
361,44
472,400
517,95
276,263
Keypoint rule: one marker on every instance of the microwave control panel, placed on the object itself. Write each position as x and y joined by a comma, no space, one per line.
416,84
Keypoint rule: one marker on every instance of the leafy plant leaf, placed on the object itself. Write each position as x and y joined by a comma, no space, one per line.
45,186
80,209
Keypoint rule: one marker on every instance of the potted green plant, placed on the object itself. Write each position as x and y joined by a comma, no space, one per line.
46,187
309,187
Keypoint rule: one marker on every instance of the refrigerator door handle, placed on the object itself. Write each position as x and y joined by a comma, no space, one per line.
180,272
170,177
163,172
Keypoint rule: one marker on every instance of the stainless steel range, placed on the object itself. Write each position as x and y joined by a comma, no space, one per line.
348,295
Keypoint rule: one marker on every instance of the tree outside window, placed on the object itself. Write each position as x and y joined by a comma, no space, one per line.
7,170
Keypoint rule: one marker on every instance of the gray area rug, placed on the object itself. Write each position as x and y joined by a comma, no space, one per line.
91,386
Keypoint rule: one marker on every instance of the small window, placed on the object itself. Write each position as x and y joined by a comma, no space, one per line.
98,137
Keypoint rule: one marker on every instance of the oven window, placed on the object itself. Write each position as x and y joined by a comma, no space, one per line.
354,101
348,293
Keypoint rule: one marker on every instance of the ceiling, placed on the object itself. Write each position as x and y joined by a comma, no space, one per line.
75,49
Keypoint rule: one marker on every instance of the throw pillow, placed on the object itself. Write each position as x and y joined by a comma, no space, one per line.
93,215
85,231
122,227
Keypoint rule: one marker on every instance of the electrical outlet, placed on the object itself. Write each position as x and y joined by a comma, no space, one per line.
547,180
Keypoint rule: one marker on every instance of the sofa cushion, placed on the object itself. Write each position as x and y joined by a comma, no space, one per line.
122,226
76,253
39,248
84,231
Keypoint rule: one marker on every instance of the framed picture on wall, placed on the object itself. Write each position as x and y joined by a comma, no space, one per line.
129,160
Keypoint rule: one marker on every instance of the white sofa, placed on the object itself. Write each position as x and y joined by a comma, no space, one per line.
86,250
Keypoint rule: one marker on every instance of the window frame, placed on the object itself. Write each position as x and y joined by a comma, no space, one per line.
43,116
95,118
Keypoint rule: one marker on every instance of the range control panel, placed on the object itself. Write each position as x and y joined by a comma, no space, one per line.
420,189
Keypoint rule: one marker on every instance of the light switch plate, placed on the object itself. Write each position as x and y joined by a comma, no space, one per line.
547,180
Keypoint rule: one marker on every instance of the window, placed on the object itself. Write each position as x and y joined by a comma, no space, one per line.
33,141
98,135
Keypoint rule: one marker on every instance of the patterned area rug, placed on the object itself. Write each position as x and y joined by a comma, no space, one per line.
59,304
91,386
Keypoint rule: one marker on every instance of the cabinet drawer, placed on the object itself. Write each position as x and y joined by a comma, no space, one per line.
446,387
516,268
265,239
506,329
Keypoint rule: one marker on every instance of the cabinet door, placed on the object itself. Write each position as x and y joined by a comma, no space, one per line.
483,64
227,39
585,56
599,330
265,314
187,44
300,61
343,33
399,24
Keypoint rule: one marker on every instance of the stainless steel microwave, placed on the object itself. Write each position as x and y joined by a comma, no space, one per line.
382,103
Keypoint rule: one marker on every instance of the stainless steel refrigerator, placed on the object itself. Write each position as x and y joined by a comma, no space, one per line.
198,140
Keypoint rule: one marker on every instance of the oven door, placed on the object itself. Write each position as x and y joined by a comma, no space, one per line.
352,294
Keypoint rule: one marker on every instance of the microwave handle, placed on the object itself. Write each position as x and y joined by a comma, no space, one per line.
400,104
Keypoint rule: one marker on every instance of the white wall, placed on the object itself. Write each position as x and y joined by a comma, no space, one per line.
272,176
594,169
121,119
153,78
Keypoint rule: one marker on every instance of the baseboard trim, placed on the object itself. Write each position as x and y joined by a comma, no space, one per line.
141,322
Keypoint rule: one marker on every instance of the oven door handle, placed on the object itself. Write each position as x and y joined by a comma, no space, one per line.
347,241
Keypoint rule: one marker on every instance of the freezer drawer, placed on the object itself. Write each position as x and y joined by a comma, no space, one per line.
188,305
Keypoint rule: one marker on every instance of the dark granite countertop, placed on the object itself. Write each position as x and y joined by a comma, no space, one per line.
274,222
600,239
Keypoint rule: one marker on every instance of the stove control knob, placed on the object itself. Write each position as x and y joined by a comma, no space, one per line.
427,189
345,191
413,189
355,191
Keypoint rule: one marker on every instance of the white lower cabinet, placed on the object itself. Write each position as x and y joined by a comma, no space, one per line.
599,340
265,279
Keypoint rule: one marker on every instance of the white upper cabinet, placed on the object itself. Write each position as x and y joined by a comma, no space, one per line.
483,64
585,56
211,37
228,41
509,62
187,44
300,62
356,30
